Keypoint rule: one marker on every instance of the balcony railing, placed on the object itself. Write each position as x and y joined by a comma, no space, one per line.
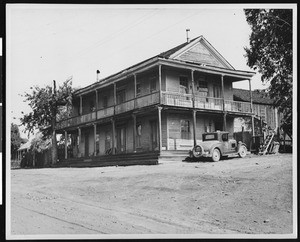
168,98
129,105
209,103
147,100
106,112
234,106
177,99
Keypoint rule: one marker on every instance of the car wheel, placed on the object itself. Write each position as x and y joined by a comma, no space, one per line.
216,155
242,151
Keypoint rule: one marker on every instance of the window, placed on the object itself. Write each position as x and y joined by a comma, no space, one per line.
202,84
138,135
152,84
138,88
263,113
121,94
225,137
206,137
217,91
185,129
105,102
92,106
183,85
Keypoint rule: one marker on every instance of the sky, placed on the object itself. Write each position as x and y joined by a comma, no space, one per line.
55,42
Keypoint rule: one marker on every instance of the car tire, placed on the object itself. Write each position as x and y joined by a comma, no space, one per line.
242,151
216,155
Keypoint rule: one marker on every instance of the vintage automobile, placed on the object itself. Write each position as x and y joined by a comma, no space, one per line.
216,145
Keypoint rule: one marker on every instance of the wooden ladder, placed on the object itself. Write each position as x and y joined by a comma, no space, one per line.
267,143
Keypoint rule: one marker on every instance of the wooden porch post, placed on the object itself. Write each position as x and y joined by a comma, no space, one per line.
80,106
251,107
79,140
134,81
113,136
95,139
224,110
134,132
193,87
159,129
96,104
194,126
115,94
159,83
66,144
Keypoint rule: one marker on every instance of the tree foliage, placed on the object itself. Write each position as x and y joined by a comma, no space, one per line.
271,54
16,140
45,102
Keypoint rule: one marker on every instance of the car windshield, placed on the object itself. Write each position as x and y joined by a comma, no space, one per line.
207,137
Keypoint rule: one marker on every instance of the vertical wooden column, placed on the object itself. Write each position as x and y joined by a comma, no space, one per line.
80,106
96,103
159,129
115,93
95,139
251,107
66,144
134,82
224,110
193,87
134,132
159,83
194,126
113,136
79,140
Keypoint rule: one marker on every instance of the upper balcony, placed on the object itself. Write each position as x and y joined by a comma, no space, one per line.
167,98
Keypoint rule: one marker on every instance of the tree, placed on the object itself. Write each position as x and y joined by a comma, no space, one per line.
271,53
46,103
16,140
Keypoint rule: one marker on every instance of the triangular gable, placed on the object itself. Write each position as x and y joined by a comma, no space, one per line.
202,52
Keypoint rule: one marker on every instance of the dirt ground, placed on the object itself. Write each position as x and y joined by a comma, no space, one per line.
233,196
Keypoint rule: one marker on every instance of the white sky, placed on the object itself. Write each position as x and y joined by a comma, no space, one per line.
46,43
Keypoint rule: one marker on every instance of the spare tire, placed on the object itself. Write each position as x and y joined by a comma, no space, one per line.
197,151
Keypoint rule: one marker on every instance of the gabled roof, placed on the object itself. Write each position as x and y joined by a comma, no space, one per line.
200,51
258,96
197,53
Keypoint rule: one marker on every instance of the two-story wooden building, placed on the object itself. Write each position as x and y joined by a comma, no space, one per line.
164,103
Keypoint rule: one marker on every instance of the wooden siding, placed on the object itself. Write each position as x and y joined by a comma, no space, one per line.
200,54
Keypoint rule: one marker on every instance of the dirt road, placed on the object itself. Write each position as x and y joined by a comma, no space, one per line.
244,196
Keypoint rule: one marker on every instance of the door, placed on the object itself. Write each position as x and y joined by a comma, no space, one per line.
86,144
121,139
154,134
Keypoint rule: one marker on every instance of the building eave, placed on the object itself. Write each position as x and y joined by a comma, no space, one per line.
208,69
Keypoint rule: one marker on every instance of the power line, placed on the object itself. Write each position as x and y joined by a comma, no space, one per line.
115,34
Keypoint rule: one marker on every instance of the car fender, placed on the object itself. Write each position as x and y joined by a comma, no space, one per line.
239,144
216,146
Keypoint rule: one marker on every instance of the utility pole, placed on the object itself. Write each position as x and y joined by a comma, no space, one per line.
53,122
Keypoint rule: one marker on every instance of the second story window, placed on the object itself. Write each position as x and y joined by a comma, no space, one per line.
105,102
152,84
121,96
217,91
138,88
183,85
92,106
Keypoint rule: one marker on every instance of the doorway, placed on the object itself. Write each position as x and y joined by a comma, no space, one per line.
121,139
154,134
86,144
